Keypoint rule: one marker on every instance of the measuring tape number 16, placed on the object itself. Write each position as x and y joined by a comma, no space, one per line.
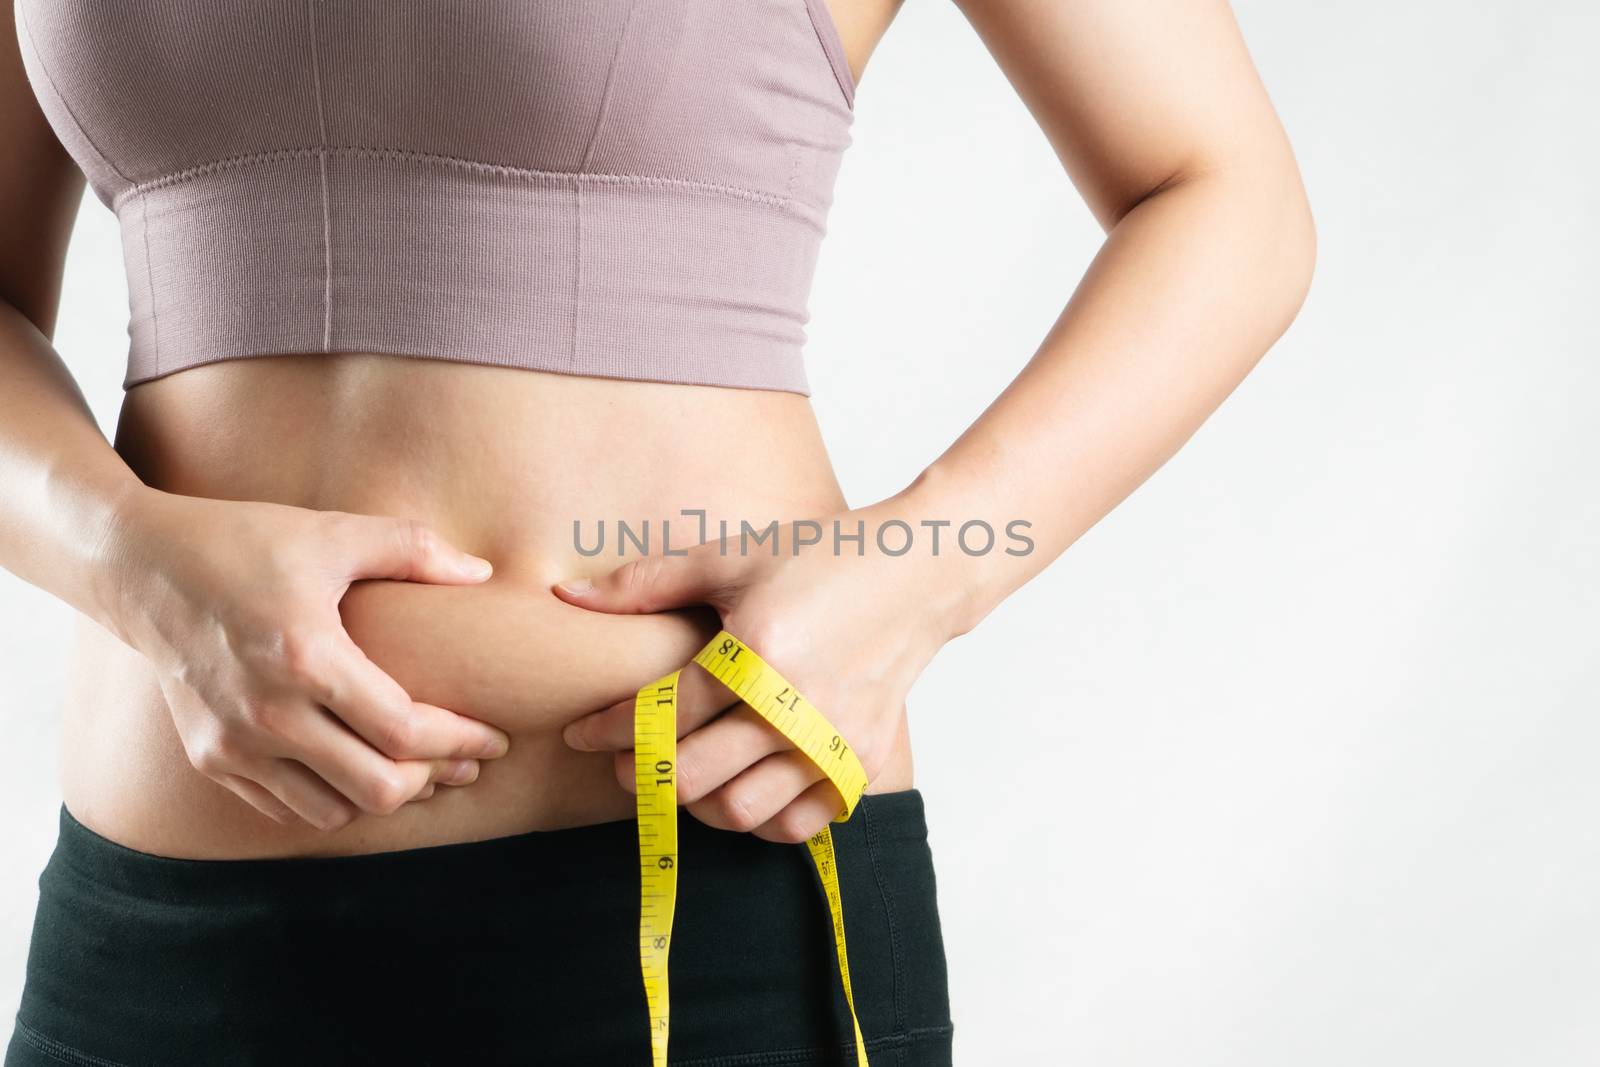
655,762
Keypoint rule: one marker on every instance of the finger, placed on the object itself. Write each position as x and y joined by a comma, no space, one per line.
427,791
448,773
305,794
453,771
700,698
360,773
758,794
713,755
404,549
373,705
653,583
808,813
260,799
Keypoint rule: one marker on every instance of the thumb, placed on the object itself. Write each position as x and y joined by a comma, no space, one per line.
408,550
650,584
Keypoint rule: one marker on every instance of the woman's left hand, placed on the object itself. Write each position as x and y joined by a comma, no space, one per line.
850,631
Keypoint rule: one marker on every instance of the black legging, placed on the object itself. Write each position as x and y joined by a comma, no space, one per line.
517,950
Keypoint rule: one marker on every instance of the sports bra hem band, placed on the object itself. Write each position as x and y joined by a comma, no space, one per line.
373,152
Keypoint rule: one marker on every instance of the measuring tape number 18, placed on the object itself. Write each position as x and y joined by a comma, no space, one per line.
655,761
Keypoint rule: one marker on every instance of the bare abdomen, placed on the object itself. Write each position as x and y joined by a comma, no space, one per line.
501,462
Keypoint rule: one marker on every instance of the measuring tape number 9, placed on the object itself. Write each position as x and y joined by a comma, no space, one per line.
655,761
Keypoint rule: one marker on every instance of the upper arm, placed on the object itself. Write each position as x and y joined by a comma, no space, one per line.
41,189
1135,95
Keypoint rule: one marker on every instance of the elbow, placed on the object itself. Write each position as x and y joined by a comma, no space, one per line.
1259,212
1249,221
1286,227
1297,251
1273,208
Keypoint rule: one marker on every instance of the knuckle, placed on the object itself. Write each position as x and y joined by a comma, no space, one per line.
768,636
231,742
401,734
640,575
793,828
735,811
418,537
300,657
691,786
385,794
209,758
219,752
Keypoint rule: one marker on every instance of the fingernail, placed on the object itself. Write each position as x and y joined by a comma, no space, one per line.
477,567
575,586
494,748
460,772
573,736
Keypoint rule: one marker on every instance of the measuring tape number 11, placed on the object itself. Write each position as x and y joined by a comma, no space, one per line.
655,761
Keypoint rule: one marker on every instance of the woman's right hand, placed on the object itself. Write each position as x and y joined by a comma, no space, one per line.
236,604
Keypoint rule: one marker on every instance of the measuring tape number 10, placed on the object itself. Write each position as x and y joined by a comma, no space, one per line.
655,761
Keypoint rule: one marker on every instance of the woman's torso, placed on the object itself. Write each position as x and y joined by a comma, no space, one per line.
503,459
500,461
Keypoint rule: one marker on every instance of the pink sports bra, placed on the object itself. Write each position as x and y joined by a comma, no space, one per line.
622,188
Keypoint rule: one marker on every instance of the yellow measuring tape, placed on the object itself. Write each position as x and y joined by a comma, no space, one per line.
655,763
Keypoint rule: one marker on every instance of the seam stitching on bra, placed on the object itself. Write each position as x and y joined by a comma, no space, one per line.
794,167
26,31
150,282
827,30
577,272
363,151
605,94
577,185
322,166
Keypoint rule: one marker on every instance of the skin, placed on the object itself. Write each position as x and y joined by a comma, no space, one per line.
278,613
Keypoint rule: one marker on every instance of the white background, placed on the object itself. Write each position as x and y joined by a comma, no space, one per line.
1314,775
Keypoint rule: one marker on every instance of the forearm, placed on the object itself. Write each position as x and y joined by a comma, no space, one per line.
62,484
1190,289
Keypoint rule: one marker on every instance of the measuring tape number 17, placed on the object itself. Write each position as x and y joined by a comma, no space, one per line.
655,762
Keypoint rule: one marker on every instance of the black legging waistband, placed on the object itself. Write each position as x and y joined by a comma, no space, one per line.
518,949
577,854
